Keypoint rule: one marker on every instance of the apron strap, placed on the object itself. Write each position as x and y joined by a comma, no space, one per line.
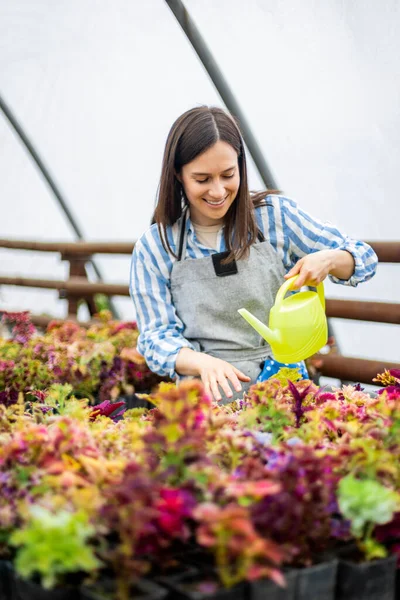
182,233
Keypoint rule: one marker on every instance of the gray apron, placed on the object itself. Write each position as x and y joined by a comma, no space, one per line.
207,305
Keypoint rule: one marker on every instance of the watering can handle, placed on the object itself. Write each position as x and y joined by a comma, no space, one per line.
287,286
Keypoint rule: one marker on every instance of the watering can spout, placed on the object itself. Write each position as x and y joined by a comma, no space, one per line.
268,334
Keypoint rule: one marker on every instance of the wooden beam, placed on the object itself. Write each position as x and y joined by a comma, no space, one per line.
388,252
378,312
74,285
75,248
346,368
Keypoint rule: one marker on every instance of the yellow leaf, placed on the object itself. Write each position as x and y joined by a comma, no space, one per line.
172,432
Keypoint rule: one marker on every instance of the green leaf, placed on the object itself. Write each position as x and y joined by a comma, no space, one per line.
365,501
52,545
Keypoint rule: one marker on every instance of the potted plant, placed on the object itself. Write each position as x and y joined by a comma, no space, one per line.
298,517
53,552
240,554
366,503
140,519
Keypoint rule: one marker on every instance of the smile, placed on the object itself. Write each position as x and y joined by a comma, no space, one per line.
215,204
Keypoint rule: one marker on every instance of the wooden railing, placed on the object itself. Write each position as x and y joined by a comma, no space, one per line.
78,287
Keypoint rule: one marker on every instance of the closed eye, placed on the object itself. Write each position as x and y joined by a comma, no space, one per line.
207,178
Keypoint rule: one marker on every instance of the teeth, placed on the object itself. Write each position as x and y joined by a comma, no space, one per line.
215,203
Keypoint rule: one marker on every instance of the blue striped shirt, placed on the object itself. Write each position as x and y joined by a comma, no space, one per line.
292,233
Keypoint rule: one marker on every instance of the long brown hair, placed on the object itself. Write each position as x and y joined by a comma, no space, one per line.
193,133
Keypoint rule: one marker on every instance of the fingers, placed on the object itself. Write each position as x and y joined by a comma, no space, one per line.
300,281
294,270
207,389
311,269
215,393
240,376
212,388
222,382
307,277
219,376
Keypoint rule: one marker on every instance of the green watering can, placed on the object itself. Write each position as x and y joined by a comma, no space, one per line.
297,324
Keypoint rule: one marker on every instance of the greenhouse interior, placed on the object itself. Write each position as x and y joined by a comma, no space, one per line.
199,300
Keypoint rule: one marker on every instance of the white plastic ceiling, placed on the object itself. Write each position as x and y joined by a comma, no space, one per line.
97,85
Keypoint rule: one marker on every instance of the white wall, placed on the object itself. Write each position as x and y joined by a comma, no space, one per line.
97,84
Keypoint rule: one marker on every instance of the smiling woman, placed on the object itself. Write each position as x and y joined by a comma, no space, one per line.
215,248
204,148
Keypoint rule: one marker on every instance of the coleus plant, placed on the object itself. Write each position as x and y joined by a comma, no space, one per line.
22,328
53,546
142,516
51,458
240,551
180,426
367,503
101,360
300,517
272,462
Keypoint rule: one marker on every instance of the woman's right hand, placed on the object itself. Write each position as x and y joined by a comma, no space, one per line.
216,374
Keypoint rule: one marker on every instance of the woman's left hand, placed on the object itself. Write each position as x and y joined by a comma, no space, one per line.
313,268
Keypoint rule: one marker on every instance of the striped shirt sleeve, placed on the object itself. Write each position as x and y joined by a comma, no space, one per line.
161,330
294,234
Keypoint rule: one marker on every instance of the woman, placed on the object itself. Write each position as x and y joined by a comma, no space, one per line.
214,248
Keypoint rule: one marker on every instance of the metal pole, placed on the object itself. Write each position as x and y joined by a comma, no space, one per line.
49,180
212,68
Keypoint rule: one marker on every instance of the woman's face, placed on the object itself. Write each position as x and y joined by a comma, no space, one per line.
211,183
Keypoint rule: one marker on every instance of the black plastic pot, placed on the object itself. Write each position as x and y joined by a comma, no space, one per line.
194,587
373,580
397,592
317,582
180,570
23,589
5,573
199,559
142,590
265,589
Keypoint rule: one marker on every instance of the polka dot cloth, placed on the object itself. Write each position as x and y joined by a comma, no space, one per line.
271,367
